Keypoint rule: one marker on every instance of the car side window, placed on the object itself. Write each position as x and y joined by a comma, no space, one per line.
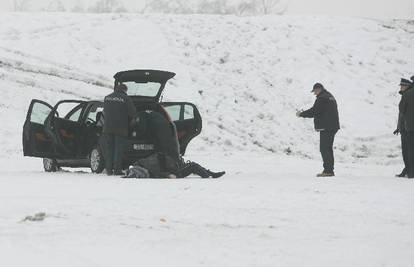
93,112
75,115
73,110
39,113
188,112
174,112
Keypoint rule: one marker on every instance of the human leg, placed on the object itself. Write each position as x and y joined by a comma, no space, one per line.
109,153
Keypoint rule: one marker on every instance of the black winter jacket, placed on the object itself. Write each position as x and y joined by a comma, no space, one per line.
401,121
406,107
119,112
324,112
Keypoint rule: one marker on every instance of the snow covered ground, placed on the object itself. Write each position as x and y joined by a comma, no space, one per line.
247,76
268,211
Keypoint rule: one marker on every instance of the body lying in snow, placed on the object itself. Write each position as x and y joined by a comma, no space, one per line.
166,162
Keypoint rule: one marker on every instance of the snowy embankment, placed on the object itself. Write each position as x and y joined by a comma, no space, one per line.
247,76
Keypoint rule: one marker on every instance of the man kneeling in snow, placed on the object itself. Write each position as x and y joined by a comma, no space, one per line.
167,161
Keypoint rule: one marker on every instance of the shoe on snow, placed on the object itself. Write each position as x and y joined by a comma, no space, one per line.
325,174
402,174
217,174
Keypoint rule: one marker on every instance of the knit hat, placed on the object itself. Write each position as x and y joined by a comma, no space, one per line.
405,82
316,86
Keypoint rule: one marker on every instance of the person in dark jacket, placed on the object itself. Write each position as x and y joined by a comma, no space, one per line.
406,108
167,161
326,120
404,86
119,113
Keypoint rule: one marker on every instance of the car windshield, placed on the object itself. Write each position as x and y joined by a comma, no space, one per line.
143,89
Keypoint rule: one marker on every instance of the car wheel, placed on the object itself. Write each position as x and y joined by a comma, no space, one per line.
97,162
50,165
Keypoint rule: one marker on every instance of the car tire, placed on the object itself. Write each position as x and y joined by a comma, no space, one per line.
50,165
97,162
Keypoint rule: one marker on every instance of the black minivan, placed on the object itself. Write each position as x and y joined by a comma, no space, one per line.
69,133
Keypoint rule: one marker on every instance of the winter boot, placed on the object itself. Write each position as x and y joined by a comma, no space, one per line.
215,174
402,174
325,174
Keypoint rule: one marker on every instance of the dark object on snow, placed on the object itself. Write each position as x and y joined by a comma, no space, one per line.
164,135
119,112
326,121
324,112
406,108
167,159
326,148
404,139
114,151
403,173
325,174
410,153
160,165
194,168
317,86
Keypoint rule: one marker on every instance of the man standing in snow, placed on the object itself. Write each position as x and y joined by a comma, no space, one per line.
326,120
406,108
119,113
404,86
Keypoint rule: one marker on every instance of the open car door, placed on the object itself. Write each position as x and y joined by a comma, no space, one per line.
187,120
36,141
65,128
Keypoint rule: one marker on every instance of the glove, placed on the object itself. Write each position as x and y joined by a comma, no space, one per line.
298,113
396,132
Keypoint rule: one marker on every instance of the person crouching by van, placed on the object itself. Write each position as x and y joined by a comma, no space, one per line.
119,112
326,120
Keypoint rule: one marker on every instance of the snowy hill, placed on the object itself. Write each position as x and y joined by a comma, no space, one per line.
247,75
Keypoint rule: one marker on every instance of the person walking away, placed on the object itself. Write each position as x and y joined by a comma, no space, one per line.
404,86
119,112
406,108
326,121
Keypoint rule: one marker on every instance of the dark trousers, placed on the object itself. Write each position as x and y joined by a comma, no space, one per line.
404,148
326,148
192,168
114,151
410,153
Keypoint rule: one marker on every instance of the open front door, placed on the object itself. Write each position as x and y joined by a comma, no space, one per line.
187,120
65,128
36,141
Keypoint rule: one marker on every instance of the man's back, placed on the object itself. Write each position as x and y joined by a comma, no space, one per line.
407,109
118,111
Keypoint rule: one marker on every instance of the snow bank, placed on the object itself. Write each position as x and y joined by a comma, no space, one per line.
248,76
